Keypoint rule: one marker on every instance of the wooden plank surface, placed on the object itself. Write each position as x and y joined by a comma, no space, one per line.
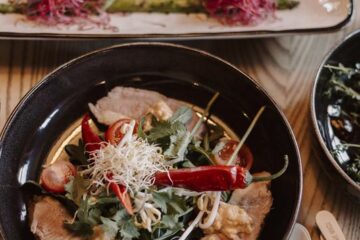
284,66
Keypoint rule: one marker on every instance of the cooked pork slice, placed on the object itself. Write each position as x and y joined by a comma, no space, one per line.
230,221
126,102
257,200
215,236
47,217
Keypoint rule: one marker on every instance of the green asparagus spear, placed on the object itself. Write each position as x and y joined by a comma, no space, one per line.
155,6
11,8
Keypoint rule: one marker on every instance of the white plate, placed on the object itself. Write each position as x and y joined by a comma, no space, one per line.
310,15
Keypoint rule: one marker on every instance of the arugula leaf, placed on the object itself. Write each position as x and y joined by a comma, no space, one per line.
165,129
170,232
178,145
76,188
172,223
168,202
121,216
169,221
129,230
183,115
178,204
203,154
77,153
89,214
160,200
94,215
140,131
225,196
106,200
110,227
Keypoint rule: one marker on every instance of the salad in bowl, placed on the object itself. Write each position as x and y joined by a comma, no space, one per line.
151,167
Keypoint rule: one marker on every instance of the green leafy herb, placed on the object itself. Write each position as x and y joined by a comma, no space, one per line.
171,135
85,215
129,230
183,115
225,196
338,85
140,131
353,169
160,200
168,202
178,145
110,227
121,216
170,221
93,211
203,152
343,93
77,153
76,188
170,231
164,129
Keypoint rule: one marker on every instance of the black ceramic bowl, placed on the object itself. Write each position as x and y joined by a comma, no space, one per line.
347,53
176,71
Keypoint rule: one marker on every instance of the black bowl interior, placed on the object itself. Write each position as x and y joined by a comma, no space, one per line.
182,73
347,53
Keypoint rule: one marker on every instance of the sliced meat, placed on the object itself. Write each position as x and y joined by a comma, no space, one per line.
126,102
215,236
47,217
231,220
257,201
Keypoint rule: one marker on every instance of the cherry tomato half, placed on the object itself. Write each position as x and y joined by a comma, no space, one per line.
54,177
244,159
114,133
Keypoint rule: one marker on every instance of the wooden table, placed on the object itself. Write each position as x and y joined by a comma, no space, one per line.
284,66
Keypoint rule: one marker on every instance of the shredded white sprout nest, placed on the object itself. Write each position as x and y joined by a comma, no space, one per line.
132,163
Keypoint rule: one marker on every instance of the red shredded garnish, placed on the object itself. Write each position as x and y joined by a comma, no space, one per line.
85,12
81,12
244,12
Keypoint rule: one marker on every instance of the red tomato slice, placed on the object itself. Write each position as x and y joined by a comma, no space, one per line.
114,134
54,177
244,159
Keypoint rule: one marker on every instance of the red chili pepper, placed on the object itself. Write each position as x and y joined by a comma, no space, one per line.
91,140
212,178
120,192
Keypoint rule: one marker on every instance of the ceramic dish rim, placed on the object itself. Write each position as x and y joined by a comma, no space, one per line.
46,79
183,36
314,118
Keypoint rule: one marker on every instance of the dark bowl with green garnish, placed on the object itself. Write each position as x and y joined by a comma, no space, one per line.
335,112
59,101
